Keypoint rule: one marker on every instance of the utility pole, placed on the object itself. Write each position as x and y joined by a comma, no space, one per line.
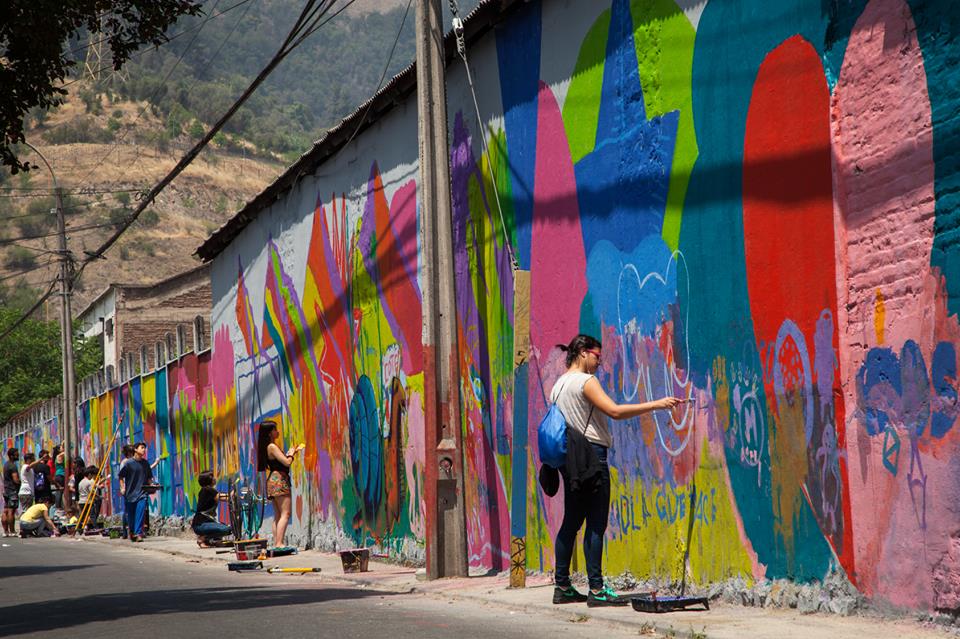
68,410
446,531
66,338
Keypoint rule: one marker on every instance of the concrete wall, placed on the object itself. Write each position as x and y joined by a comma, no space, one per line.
752,203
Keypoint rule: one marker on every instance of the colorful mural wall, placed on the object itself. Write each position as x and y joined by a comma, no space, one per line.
752,204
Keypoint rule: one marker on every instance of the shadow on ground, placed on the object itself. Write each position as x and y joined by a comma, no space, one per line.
64,613
26,571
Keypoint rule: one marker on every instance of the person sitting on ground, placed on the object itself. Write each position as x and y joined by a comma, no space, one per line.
11,486
205,523
36,522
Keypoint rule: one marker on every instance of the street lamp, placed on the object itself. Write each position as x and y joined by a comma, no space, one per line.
69,406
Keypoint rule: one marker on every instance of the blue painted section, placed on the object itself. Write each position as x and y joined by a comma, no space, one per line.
725,64
519,462
943,372
937,23
518,58
366,449
169,468
622,184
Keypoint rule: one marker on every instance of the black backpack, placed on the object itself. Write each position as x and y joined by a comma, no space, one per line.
40,482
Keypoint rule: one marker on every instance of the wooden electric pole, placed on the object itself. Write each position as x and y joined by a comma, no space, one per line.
446,534
66,338
68,407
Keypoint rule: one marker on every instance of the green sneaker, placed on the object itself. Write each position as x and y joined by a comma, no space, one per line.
606,597
567,595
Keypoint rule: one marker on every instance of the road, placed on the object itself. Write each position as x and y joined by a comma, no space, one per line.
80,589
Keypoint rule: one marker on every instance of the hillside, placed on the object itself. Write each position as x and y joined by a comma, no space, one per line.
102,157
118,133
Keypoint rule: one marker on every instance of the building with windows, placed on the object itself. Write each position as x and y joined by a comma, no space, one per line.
144,326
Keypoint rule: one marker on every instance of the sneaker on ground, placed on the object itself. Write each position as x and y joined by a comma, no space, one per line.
567,595
606,597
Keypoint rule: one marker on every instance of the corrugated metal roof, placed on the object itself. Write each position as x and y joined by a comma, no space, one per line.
479,21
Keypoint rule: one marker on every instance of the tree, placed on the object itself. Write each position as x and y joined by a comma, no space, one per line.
30,364
35,60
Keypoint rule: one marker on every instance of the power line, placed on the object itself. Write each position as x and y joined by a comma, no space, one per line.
143,52
156,91
77,192
33,309
36,267
209,61
383,75
308,21
75,229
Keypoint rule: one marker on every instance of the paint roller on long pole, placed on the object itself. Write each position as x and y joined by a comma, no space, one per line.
88,506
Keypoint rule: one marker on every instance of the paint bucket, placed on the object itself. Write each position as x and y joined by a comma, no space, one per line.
249,549
355,560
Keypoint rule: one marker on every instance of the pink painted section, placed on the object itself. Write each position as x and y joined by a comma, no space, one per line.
222,369
884,199
558,280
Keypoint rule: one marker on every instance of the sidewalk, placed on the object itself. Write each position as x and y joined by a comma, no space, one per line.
722,621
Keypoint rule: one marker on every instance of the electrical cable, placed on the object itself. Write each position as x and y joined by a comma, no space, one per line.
134,56
163,83
301,26
37,267
74,229
307,21
207,64
462,51
383,76
30,311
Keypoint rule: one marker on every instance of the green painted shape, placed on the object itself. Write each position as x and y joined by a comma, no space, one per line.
664,40
581,108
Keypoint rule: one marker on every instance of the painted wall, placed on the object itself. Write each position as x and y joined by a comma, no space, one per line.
752,203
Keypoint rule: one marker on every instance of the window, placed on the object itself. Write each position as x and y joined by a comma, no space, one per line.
171,347
131,366
198,334
123,369
181,339
160,352
144,359
110,376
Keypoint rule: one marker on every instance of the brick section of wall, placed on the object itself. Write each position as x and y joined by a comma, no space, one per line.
147,316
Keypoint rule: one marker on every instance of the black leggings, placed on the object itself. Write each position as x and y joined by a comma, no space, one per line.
592,506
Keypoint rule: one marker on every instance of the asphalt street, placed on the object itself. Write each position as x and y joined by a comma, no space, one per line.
73,588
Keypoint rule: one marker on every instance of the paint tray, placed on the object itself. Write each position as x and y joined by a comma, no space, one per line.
241,566
281,551
651,602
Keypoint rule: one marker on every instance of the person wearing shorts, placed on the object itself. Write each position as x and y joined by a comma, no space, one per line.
272,460
11,489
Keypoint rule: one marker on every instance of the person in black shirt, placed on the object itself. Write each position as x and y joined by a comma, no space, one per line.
205,523
43,478
136,481
11,486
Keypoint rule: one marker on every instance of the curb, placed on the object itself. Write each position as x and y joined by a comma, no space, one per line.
570,614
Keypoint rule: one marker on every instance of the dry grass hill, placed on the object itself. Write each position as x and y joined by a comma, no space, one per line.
104,151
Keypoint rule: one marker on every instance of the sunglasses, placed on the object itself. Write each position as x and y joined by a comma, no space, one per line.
594,353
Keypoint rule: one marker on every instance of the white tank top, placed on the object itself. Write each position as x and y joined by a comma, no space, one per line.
568,394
